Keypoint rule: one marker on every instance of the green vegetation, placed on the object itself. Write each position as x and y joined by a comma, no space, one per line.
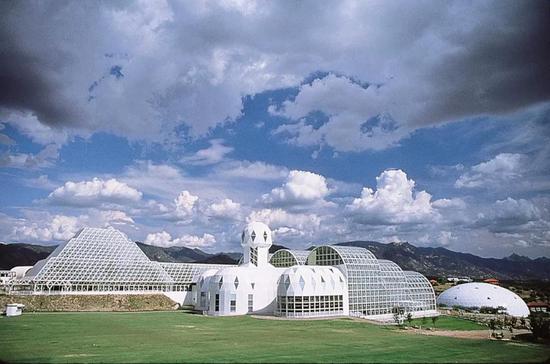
177,336
449,323
106,302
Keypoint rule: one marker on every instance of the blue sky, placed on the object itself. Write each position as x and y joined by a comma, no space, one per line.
429,125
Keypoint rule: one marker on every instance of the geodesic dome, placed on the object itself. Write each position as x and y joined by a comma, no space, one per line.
477,295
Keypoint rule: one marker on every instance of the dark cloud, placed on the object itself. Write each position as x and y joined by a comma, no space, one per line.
185,63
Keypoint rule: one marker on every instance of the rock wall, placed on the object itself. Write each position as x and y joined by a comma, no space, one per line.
55,303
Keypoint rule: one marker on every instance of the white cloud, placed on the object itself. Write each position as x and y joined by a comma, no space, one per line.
300,187
511,212
45,228
251,170
226,209
211,155
502,169
277,218
43,159
59,228
185,203
446,237
356,118
164,239
393,202
94,192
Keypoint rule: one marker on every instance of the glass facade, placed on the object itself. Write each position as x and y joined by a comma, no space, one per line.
305,306
105,260
287,258
376,287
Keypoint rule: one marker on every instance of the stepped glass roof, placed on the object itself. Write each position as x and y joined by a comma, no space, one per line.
97,255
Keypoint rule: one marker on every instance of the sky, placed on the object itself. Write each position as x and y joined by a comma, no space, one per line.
178,122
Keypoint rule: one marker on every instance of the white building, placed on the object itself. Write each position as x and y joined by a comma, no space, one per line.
479,295
326,281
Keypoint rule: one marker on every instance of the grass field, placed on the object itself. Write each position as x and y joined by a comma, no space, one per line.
178,336
448,323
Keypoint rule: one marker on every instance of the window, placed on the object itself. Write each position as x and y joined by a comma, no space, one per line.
217,303
254,256
250,302
233,303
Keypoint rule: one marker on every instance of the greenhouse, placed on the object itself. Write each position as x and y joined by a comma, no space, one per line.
330,280
288,258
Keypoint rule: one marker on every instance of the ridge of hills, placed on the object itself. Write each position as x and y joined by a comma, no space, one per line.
440,262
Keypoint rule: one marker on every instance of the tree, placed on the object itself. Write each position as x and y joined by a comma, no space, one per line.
424,320
492,326
540,325
409,318
434,320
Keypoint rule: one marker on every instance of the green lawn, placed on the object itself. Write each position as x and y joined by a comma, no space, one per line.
178,336
448,323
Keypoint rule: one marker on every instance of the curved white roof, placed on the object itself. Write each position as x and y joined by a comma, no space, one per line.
484,295
256,234
307,280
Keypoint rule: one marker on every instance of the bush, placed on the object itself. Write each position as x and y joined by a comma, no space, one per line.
540,325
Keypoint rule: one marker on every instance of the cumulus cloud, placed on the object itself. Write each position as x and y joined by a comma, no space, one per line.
149,68
356,116
45,228
393,202
279,218
165,240
211,155
301,187
225,209
510,215
503,168
59,228
94,192
185,204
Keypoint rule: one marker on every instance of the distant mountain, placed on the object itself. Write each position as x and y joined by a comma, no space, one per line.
12,255
174,254
274,247
429,261
445,262
219,259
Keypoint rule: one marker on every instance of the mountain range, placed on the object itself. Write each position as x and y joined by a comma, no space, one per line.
432,262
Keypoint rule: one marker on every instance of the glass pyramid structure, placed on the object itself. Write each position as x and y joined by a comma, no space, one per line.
99,260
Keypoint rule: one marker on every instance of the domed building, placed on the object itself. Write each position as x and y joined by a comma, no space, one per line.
327,281
330,280
479,295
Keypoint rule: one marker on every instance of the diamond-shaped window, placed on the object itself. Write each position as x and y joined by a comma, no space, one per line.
302,282
265,235
252,284
253,235
221,282
322,279
236,282
287,282
242,236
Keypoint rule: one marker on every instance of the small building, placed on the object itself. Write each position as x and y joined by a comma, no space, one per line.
491,281
538,307
14,309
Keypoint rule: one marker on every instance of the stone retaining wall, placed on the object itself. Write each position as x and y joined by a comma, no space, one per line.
54,303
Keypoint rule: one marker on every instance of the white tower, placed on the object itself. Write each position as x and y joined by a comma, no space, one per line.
256,240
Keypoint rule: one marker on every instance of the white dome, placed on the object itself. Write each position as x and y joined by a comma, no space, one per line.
256,234
484,295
